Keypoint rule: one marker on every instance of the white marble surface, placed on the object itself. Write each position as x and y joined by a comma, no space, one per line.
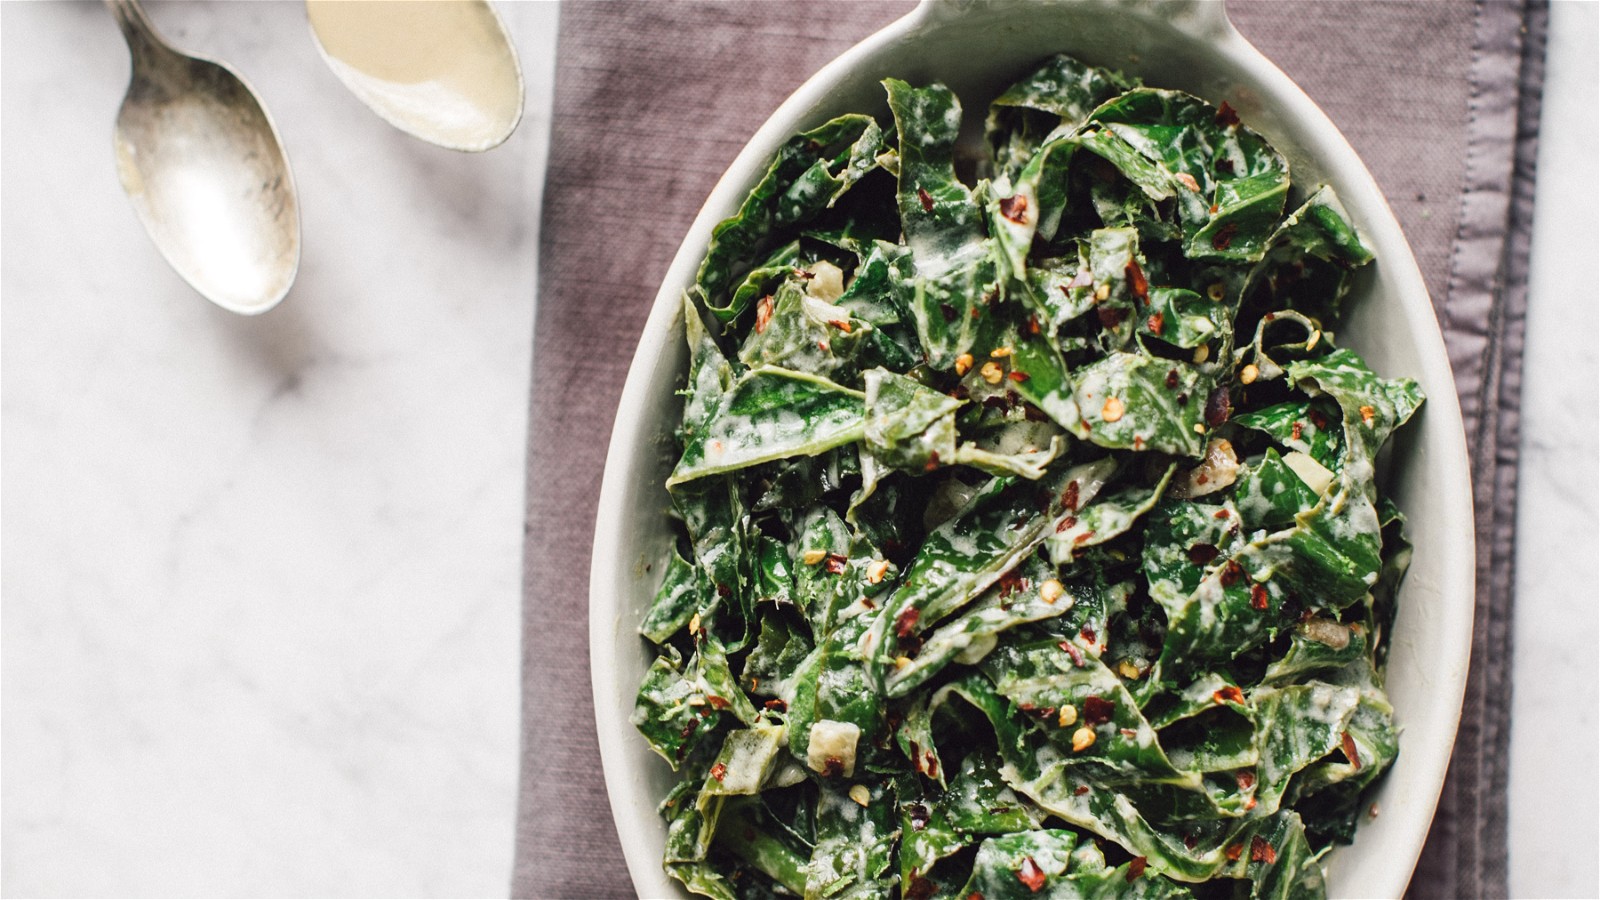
1555,678
261,577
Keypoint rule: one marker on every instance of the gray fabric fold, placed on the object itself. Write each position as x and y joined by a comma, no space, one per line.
1440,99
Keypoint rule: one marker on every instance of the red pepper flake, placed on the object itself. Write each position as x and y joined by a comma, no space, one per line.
1109,317
1083,538
823,346
1015,208
835,564
1172,378
1136,868
1261,851
1018,377
1231,573
975,895
763,313
906,622
1317,418
1233,852
718,771
925,199
1246,779
1226,117
1348,745
1202,554
1258,595
1294,431
1031,875
840,324
1137,281
1066,523
1218,407
777,706
1128,733
930,764
1088,634
1033,324
1220,514
1229,694
1224,235
1080,790
1072,651
1155,322
1097,710
1069,497
1011,582
1202,478
933,461
718,702
977,312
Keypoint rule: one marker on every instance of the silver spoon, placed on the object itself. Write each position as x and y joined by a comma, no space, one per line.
205,170
441,70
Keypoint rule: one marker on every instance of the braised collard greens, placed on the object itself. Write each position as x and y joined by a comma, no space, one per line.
1030,541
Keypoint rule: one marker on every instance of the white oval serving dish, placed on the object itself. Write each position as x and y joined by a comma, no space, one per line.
977,48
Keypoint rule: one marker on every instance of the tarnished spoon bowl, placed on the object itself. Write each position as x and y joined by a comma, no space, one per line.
202,163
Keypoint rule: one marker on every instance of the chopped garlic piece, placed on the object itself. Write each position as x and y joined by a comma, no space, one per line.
1310,471
833,742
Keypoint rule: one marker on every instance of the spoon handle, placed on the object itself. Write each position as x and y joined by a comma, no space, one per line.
143,41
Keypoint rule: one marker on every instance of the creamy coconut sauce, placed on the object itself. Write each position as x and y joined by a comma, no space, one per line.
442,70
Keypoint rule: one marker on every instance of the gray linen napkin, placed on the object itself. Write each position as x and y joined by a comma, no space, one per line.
1440,99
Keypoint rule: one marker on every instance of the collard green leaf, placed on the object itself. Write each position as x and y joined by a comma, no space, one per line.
751,833
797,331
1242,181
683,592
1027,595
810,172
908,426
964,556
1105,518
769,414
1057,97
1129,401
855,844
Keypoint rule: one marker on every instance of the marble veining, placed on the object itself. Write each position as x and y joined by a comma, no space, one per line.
261,576
1554,825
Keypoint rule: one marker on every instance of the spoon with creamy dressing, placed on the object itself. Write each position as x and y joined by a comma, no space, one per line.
202,163
441,70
